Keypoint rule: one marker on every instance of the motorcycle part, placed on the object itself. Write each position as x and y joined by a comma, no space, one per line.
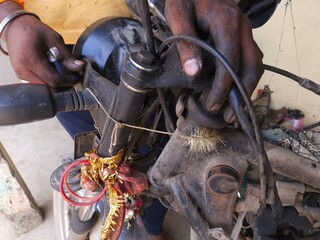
137,70
23,103
201,117
147,25
54,55
266,176
204,185
303,82
120,180
73,180
81,227
121,33
106,44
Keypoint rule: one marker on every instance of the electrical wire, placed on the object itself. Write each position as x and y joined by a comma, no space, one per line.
147,25
168,119
264,164
84,200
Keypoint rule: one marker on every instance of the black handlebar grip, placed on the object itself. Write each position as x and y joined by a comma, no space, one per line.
23,103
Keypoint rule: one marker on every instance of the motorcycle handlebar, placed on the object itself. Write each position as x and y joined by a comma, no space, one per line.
24,103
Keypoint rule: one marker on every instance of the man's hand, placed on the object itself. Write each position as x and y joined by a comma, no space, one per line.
232,36
28,41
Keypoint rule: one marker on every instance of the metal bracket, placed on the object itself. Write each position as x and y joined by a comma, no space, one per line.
218,234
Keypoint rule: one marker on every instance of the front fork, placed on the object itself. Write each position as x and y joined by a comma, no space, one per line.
125,107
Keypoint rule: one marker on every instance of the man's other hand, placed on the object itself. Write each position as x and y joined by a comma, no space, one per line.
232,35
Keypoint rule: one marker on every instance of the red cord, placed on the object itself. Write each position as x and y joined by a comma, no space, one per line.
85,201
68,188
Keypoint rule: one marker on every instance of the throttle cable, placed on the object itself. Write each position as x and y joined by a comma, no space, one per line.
264,164
303,82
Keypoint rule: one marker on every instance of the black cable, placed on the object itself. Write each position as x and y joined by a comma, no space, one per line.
168,119
303,82
311,126
238,108
263,158
147,25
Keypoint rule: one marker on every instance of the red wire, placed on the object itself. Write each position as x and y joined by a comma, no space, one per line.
67,185
86,201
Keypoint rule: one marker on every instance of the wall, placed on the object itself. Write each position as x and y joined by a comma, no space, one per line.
290,40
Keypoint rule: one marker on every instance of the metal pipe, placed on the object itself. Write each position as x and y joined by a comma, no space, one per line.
291,165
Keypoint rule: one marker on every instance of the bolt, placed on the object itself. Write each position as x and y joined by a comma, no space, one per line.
145,57
54,55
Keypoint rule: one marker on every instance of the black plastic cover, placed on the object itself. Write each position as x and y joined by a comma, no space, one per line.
23,103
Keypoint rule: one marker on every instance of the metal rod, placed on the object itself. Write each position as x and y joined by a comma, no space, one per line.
147,25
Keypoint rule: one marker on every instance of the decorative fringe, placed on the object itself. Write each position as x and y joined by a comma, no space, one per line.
116,202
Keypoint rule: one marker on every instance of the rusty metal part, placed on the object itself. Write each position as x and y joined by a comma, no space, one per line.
293,166
218,234
204,184
283,161
200,177
173,154
288,192
84,142
251,203
305,212
223,180
188,208
221,194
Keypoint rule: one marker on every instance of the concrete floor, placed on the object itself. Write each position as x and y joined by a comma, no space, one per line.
35,149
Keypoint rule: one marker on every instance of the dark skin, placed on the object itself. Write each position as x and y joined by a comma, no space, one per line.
28,40
232,35
220,19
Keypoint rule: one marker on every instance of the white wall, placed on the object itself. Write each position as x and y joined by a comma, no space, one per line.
297,23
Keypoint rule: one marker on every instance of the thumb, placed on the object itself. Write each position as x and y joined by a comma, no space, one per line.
180,17
73,64
68,60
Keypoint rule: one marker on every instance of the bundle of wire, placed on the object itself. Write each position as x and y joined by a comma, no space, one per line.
75,199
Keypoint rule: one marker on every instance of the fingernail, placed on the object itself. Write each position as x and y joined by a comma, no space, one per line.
79,62
233,119
191,67
229,115
215,107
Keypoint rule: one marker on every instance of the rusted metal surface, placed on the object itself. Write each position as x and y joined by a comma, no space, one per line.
288,192
293,166
209,182
204,185
283,161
